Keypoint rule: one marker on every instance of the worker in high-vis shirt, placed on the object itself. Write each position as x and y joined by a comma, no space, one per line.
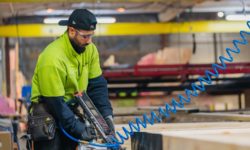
70,65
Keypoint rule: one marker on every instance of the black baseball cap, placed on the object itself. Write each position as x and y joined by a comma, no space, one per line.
80,19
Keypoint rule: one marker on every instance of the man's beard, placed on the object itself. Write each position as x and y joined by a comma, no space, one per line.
77,47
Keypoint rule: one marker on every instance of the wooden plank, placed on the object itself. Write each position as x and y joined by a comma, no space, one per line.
247,98
199,136
223,116
222,139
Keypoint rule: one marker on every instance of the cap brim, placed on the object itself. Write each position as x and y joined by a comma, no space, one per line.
63,22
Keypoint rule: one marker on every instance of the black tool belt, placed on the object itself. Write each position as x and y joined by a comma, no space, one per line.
41,125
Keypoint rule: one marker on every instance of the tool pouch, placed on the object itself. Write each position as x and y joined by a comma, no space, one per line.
41,125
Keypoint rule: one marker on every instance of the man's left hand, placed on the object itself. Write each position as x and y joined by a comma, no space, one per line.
110,122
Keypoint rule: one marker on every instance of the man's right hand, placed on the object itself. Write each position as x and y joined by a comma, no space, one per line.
88,134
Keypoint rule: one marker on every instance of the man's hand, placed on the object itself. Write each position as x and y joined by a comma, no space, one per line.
89,134
109,121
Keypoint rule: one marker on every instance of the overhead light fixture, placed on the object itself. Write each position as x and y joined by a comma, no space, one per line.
120,9
55,20
237,17
220,14
50,10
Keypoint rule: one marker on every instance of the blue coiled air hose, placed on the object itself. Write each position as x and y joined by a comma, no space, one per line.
135,127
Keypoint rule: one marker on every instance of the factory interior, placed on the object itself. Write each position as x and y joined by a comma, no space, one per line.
177,71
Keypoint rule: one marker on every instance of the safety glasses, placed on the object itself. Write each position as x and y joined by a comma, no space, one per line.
84,36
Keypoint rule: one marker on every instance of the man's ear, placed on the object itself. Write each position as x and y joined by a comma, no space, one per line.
71,31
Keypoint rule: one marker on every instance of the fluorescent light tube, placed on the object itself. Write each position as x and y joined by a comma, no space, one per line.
106,19
55,20
237,17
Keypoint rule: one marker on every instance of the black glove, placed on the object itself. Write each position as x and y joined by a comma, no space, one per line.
109,121
89,134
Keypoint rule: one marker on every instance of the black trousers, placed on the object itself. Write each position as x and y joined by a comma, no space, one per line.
60,142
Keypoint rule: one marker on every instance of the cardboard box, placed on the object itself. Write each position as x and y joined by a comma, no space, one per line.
5,141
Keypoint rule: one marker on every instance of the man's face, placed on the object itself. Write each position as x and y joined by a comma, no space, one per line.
81,37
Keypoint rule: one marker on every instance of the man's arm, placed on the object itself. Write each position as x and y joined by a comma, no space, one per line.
98,92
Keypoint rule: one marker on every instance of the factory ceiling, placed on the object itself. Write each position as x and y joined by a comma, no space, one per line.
165,10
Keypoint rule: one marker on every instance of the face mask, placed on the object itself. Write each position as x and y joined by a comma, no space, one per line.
77,48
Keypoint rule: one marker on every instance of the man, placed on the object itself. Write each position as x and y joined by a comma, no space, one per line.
70,65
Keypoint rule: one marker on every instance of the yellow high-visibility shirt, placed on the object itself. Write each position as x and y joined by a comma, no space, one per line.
61,71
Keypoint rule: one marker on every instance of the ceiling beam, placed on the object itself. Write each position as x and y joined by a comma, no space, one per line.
124,29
